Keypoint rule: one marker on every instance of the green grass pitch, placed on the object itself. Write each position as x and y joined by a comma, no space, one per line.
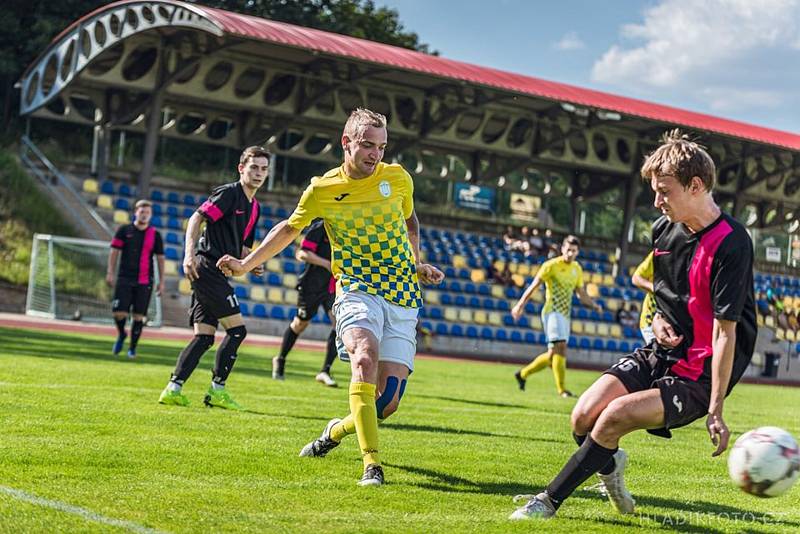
83,429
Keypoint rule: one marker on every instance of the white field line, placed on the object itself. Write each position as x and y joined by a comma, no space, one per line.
77,510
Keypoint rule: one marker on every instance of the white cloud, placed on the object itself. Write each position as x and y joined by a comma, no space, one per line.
731,55
569,41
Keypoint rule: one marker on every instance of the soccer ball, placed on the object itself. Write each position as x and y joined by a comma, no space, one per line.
764,462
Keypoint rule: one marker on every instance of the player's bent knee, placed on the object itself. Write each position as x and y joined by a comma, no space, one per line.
390,397
238,332
203,342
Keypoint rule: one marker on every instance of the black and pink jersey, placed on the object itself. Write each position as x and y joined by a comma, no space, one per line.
137,249
700,277
316,279
231,222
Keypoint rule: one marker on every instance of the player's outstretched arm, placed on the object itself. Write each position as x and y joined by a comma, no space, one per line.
586,300
519,307
278,239
723,345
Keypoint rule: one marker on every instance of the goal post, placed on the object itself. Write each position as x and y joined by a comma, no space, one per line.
67,280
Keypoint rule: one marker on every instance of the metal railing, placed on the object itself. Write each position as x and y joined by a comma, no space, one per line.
27,148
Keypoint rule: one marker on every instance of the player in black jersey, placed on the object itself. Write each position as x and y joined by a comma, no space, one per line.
704,327
230,214
134,245
316,286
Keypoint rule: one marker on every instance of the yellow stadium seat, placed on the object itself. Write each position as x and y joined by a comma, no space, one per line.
290,296
90,185
275,295
536,322
258,294
498,292
513,267
616,330
465,315
274,265
518,279
612,304
121,217
602,329
170,268
478,276
787,302
760,319
480,317
459,261
780,334
596,278
592,290
577,327
538,296
589,328
608,280
105,202
450,314
533,270
769,320
499,265
791,335
495,319
184,223
432,297
184,287
290,280
524,269
242,279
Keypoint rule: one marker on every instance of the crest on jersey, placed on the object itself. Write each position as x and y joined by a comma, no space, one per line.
385,189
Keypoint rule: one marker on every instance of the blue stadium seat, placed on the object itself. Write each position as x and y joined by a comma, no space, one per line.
172,211
598,344
508,320
608,316
289,267
460,301
530,338
288,252
488,304
157,209
174,224
422,313
523,322
446,299
244,308
189,200
450,271
636,346
122,204
572,343
503,305
187,212
501,334
594,315
173,238
241,292
260,311
126,190
584,343
107,188
472,332
255,279
326,319
611,345
474,302
464,274
277,312
436,313
630,332
173,198
281,213
624,347
172,253
484,289
455,286
486,333
156,195
470,288
441,329
274,279
457,330
427,325
516,336
267,223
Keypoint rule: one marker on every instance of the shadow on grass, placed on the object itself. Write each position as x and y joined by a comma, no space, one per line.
450,483
459,431
475,402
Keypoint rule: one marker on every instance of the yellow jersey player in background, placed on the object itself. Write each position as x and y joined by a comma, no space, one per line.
643,279
368,210
562,276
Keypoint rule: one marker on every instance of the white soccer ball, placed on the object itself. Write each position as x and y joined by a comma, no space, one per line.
764,462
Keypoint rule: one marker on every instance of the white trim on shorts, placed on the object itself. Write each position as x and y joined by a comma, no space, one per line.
394,326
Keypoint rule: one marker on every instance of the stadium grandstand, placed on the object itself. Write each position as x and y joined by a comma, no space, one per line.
487,149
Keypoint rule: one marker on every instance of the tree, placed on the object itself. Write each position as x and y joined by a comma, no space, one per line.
28,26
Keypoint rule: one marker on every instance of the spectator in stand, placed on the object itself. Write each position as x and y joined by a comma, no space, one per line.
509,238
793,321
524,242
625,317
537,244
494,275
550,244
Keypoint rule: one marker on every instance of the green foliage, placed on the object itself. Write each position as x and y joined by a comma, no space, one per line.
82,428
24,210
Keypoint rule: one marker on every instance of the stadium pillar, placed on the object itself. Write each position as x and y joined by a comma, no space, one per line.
103,139
153,127
631,192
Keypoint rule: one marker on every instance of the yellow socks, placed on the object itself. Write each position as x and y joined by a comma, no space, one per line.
559,371
541,361
365,419
343,428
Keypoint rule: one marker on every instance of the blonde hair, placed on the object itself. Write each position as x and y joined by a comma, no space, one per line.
143,203
682,158
361,119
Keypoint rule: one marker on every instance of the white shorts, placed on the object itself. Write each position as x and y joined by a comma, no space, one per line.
556,327
647,334
394,326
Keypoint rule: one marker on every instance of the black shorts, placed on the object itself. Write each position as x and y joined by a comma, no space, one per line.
130,293
308,303
213,298
684,400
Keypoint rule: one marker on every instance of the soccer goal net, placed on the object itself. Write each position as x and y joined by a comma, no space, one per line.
68,281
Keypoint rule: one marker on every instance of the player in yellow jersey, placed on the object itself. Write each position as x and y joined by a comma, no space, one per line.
368,210
643,279
562,276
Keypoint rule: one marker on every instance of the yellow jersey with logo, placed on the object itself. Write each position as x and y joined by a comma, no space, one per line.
366,224
560,279
645,270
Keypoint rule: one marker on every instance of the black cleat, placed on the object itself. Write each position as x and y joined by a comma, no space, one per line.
520,381
373,476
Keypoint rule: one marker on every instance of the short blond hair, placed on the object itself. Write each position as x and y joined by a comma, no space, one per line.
143,203
358,122
681,157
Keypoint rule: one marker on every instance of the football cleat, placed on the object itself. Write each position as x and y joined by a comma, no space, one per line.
373,476
613,485
323,444
118,345
537,507
326,379
220,398
131,353
520,381
278,364
173,398
566,394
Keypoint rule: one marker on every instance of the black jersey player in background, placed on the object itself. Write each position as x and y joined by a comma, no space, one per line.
230,214
134,245
704,327
316,286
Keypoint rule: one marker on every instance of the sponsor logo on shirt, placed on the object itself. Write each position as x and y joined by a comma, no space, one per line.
658,252
239,212
341,197
385,188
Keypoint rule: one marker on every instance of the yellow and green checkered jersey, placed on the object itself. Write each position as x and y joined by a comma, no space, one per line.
645,270
560,280
366,224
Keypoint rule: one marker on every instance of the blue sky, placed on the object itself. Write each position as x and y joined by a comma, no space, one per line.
738,59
